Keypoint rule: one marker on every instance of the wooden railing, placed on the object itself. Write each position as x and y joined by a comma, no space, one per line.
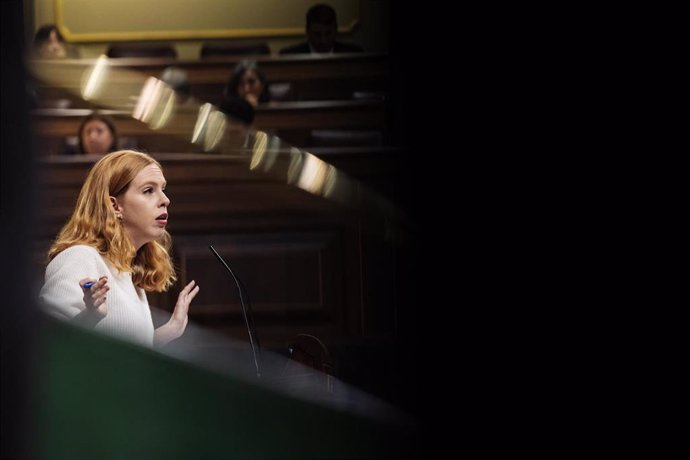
310,77
291,121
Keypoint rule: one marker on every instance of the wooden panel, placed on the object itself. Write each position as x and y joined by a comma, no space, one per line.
311,77
79,21
291,274
207,192
282,68
197,180
291,121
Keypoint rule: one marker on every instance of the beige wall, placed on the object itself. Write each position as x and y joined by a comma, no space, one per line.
44,12
371,31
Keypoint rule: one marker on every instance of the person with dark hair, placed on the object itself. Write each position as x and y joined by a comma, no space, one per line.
112,250
50,44
321,29
248,82
97,135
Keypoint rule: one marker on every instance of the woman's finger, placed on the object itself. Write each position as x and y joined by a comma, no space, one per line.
188,287
192,294
100,292
187,297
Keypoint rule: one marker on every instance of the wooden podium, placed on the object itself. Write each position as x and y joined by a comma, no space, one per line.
101,398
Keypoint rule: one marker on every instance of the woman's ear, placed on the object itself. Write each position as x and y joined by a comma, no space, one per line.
116,207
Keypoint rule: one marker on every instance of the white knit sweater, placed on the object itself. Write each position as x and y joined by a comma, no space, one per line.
129,315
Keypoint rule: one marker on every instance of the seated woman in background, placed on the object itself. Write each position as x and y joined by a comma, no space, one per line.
97,135
249,83
50,44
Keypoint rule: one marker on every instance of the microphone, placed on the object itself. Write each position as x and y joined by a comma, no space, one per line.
245,311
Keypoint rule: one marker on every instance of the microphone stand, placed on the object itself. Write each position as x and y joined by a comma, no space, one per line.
245,311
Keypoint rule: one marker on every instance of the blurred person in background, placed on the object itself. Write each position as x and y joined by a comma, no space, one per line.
50,44
321,29
248,82
97,135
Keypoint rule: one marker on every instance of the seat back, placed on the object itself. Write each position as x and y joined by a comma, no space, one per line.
136,50
212,49
344,138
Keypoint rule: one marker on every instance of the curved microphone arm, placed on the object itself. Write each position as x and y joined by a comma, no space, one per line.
245,312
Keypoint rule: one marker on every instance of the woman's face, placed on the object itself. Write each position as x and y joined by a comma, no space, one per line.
53,47
144,206
96,137
250,86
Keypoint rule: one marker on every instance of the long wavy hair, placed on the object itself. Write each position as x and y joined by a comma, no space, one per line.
94,223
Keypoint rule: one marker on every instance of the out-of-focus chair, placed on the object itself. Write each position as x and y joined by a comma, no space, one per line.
280,91
70,144
214,49
344,138
137,50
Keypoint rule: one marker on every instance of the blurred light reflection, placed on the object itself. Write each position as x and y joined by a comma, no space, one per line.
295,166
259,150
313,174
156,103
200,125
93,79
214,131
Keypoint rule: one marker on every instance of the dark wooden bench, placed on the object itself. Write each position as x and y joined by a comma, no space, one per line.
291,121
310,77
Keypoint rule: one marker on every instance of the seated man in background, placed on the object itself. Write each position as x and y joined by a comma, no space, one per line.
322,27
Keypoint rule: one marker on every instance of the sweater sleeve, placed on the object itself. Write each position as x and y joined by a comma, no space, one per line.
61,294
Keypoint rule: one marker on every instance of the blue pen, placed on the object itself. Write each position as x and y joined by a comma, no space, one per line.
89,284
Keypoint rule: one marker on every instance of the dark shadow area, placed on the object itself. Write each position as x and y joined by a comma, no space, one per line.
16,198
